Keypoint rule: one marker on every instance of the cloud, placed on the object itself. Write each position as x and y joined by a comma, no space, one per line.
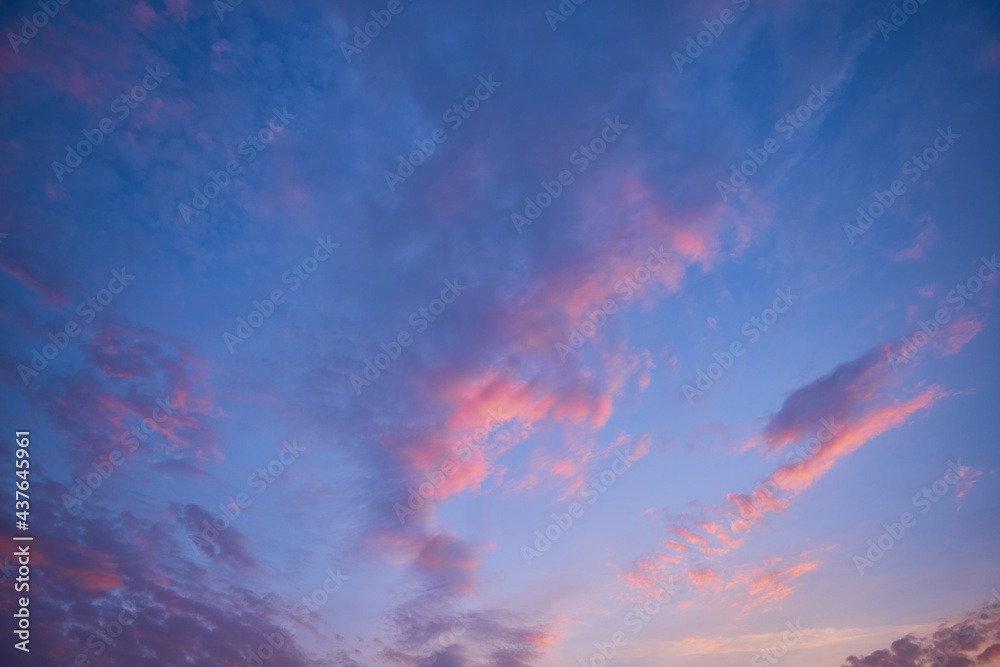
116,562
124,378
451,561
959,332
49,293
969,642
833,416
927,237
794,635
800,476
429,632
228,545
767,585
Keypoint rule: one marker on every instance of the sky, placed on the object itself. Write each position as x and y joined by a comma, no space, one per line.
501,334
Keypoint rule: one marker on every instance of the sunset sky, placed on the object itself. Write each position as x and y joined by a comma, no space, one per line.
508,334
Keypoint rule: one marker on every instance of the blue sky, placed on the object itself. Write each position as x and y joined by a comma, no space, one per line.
256,323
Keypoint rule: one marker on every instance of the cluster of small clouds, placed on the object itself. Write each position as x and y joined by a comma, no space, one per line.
838,413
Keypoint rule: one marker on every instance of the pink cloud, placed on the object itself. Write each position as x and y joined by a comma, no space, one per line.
705,577
144,13
836,414
692,538
959,332
801,476
925,239
178,9
49,293
765,586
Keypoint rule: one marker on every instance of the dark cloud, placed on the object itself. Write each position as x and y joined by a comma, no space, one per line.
132,580
967,643
428,632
